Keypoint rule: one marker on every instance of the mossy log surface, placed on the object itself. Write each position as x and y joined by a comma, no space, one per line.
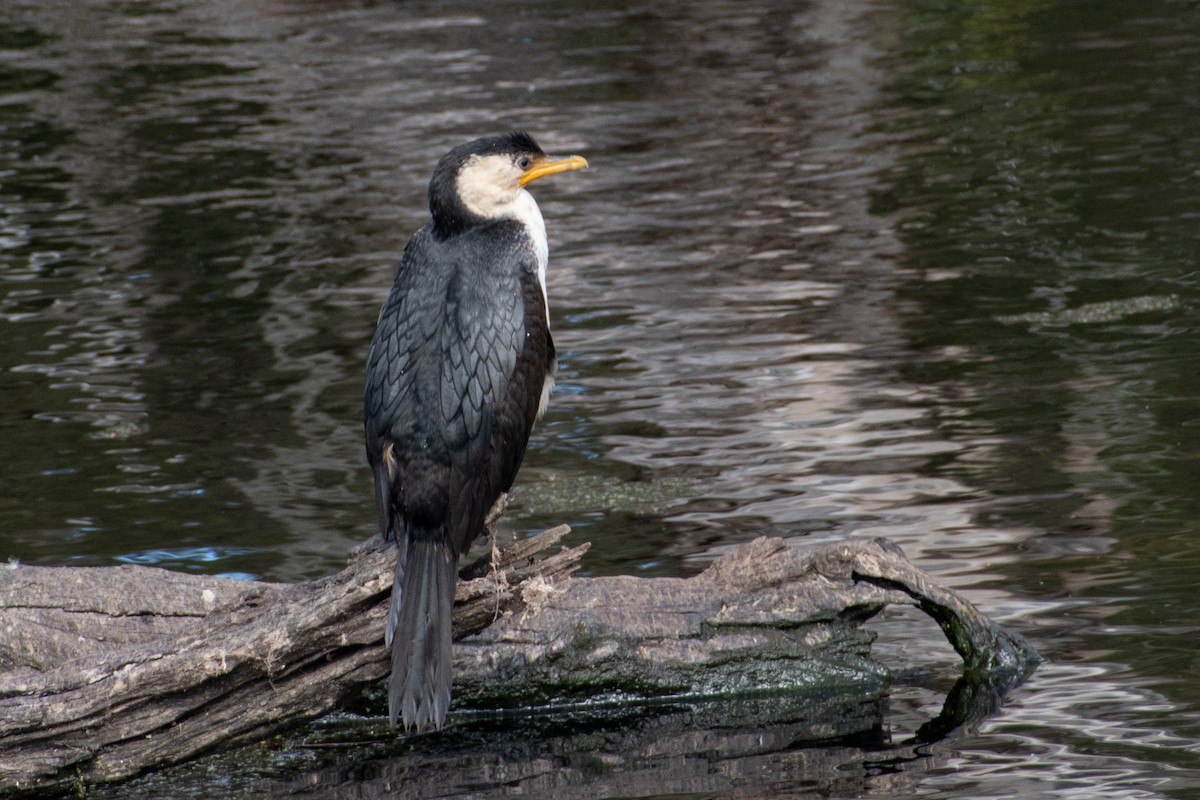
109,672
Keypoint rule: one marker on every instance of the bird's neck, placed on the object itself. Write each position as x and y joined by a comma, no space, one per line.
525,210
454,219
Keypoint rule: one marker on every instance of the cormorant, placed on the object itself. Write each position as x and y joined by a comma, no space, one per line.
460,367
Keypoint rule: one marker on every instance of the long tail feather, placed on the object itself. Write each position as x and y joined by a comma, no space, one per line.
419,631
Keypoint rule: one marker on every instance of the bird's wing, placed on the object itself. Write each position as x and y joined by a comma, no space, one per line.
495,349
454,379
408,328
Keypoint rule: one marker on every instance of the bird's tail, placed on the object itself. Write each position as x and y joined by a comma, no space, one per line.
419,631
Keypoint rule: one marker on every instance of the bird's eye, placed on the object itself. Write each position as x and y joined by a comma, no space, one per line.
523,162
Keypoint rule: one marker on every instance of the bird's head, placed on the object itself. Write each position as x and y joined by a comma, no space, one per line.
484,180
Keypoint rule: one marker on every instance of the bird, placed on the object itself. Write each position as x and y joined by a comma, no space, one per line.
459,369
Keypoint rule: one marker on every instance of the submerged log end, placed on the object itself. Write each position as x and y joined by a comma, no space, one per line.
985,646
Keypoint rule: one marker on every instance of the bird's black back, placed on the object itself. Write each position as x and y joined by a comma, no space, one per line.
454,378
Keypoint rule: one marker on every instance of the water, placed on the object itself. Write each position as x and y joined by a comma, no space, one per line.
784,298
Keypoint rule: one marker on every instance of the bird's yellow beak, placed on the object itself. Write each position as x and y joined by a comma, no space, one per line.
549,166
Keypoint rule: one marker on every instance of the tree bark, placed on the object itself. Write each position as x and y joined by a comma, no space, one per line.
108,672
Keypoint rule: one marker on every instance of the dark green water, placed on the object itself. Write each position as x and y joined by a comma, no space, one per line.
835,272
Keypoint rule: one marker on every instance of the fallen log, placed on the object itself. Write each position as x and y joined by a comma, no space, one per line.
109,672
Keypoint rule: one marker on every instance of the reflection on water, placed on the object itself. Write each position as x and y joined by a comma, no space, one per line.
835,271
1083,731
789,745
720,289
1054,238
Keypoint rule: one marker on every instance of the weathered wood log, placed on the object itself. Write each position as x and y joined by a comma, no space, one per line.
108,672
115,670
767,616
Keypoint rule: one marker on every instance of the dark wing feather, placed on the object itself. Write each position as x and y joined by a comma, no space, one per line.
395,418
